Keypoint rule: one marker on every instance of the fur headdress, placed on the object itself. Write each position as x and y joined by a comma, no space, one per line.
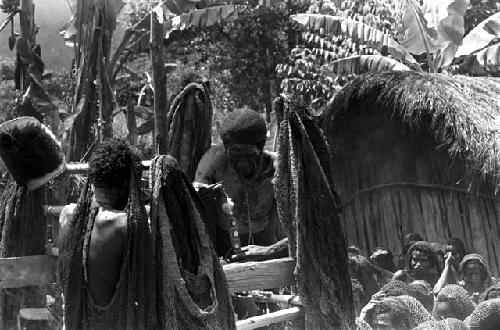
243,126
30,152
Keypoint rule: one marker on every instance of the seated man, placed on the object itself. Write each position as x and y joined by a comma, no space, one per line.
421,265
245,171
98,271
474,275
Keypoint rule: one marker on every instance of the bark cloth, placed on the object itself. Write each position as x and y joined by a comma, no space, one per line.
308,208
156,289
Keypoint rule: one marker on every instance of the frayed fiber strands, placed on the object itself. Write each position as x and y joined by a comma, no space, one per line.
22,233
461,113
135,301
308,208
192,281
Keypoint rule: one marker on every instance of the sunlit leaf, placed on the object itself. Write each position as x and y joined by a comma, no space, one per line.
415,35
366,63
481,36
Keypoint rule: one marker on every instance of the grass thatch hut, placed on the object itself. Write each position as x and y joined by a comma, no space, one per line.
418,152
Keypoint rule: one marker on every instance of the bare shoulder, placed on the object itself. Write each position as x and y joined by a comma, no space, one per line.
111,222
67,214
400,275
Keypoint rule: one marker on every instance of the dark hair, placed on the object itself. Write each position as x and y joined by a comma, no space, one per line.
409,239
111,163
458,243
424,247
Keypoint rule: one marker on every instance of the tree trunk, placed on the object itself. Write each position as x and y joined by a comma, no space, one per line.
160,86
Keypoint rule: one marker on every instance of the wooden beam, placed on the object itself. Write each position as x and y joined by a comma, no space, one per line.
39,270
271,318
82,168
260,275
22,272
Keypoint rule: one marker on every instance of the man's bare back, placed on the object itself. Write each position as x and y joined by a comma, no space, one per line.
107,244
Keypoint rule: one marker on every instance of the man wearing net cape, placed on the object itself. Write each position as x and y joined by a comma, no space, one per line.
247,217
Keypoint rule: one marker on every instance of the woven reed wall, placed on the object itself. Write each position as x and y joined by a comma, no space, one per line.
393,181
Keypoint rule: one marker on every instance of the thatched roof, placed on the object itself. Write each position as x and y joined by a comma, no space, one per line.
461,113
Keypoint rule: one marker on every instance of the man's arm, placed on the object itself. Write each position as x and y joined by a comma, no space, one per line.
446,276
64,219
260,253
400,275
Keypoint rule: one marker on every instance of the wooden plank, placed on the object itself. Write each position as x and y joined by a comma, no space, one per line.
260,275
40,270
27,271
271,318
82,168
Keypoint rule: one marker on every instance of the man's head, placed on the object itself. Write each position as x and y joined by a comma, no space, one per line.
110,167
421,259
457,249
410,239
243,133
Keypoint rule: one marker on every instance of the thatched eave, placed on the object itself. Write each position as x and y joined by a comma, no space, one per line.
461,114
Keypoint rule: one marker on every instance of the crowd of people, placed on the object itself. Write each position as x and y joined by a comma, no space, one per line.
430,286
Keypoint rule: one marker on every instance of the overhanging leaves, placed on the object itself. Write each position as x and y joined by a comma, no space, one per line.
366,63
481,36
200,18
357,31
485,62
415,35
447,17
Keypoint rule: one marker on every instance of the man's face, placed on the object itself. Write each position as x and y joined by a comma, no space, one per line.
244,159
456,254
443,310
383,321
473,275
420,262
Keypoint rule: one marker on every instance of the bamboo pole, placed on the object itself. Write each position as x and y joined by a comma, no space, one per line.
159,85
271,318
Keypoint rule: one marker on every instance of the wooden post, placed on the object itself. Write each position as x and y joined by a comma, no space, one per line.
159,85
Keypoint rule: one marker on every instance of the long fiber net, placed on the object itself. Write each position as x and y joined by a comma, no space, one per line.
308,208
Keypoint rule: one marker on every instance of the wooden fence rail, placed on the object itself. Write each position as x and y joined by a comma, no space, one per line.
40,270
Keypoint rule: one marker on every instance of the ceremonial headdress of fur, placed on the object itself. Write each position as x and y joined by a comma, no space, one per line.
30,152
243,126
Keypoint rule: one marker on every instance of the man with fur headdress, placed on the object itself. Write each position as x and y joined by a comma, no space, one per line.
245,171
